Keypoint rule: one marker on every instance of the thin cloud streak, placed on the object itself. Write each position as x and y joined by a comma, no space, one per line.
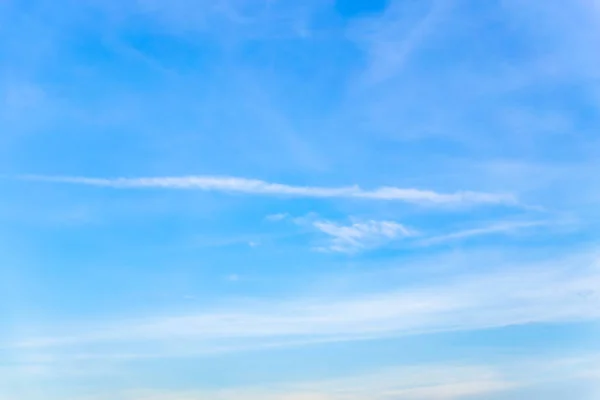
560,291
499,228
391,39
259,187
441,382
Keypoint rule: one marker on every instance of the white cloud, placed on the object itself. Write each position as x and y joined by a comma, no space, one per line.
277,217
391,39
425,381
360,235
368,234
258,187
498,228
558,291
437,382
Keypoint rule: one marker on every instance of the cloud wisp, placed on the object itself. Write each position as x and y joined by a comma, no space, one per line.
423,381
559,291
353,237
259,187
501,228
441,382
392,38
360,235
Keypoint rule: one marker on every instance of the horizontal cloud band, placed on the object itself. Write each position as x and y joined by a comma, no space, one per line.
559,291
254,186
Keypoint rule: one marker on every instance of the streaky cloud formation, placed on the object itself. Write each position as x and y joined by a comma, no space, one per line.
259,187
553,291
361,235
438,382
425,381
275,200
493,229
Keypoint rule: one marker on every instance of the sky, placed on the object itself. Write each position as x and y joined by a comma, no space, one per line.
299,200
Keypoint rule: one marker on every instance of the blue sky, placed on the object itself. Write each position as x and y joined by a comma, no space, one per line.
299,200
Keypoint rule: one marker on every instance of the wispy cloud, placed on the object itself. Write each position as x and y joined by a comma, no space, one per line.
227,17
558,291
276,217
440,382
390,39
259,187
422,381
493,229
360,235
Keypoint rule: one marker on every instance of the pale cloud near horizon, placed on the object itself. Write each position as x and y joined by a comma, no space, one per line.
413,382
439,382
259,187
559,290
420,381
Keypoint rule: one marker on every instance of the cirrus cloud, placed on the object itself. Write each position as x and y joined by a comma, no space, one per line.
259,187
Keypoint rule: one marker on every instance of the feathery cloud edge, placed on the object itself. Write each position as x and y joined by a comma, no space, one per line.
260,187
